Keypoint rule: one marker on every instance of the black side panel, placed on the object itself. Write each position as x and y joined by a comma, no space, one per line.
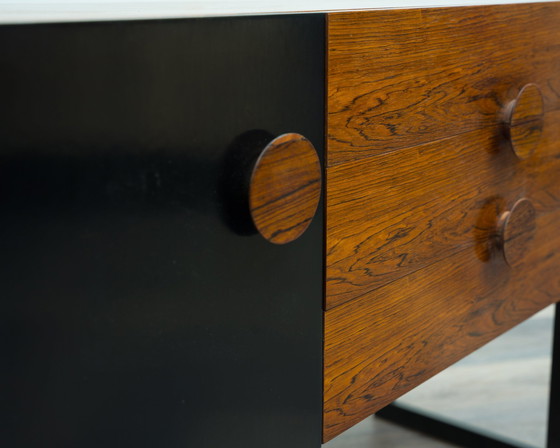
132,314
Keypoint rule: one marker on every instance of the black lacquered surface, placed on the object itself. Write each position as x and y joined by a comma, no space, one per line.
133,312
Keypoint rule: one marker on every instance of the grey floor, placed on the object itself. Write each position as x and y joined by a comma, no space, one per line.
501,388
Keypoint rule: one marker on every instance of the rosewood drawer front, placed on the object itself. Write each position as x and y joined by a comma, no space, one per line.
443,192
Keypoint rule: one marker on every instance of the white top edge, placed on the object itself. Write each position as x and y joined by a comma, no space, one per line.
43,11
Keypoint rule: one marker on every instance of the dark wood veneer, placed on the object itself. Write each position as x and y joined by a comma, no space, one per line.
525,120
382,345
424,107
285,188
396,213
516,231
400,78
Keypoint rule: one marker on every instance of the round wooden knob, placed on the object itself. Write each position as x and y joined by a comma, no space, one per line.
524,121
285,188
516,229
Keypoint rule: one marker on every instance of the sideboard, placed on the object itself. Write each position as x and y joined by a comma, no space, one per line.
258,230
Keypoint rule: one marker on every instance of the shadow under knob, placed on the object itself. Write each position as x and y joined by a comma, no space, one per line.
516,228
285,188
524,121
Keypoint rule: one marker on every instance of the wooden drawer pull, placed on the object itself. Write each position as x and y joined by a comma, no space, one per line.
516,228
285,188
524,121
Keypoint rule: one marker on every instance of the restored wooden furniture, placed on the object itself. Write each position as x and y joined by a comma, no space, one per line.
434,123
170,273
140,306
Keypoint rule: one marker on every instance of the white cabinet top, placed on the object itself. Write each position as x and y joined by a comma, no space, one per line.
37,11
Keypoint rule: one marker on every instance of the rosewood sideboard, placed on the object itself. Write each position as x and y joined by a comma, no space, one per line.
257,227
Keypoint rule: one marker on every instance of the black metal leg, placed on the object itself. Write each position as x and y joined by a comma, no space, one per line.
554,403
466,436
445,429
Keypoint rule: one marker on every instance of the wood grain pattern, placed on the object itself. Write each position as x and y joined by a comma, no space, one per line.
419,171
395,213
516,228
400,78
382,345
525,120
285,188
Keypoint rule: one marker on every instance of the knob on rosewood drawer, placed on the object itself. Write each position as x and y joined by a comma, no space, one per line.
524,121
285,188
516,228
